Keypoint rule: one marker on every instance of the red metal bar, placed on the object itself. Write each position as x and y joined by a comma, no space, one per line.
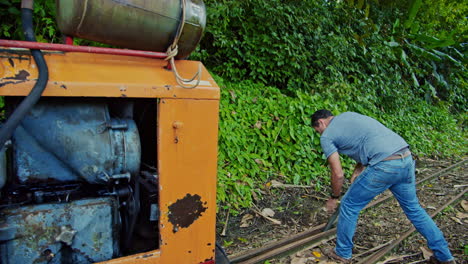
85,49
68,40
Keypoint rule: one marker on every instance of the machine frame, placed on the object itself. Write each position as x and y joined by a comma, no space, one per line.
187,135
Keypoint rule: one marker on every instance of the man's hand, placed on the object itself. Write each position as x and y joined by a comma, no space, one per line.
331,205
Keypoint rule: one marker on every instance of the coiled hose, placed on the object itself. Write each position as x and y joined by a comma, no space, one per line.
15,118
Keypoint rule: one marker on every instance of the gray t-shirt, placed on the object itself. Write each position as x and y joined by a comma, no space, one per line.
360,137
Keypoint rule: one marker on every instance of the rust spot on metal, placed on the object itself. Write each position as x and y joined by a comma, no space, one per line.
185,211
11,82
22,75
207,261
145,256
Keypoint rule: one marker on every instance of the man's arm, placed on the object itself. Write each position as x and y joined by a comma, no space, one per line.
337,175
337,178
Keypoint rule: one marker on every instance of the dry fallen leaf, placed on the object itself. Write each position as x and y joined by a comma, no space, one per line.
298,260
464,204
268,212
275,183
461,215
457,220
244,224
233,94
427,253
245,221
258,124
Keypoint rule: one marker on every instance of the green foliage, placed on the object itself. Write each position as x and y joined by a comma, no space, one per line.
353,56
317,45
45,25
44,20
266,135
401,62
438,63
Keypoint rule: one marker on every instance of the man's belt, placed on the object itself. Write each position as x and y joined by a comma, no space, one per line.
399,156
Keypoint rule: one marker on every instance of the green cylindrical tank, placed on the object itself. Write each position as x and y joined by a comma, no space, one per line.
136,24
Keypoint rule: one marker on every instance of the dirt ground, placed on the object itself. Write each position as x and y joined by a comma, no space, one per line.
295,209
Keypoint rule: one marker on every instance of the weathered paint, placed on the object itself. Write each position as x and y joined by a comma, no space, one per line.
122,23
44,233
21,75
185,211
185,167
101,75
78,141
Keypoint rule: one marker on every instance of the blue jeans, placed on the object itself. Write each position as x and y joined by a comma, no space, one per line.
398,176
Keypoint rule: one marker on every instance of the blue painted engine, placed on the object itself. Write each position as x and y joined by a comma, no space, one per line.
53,233
75,141
72,182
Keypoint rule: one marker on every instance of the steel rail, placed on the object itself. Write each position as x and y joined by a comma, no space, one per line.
245,256
312,235
291,247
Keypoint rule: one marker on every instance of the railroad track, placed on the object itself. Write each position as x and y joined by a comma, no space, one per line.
316,236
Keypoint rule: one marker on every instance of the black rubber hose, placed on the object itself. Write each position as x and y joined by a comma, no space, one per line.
15,118
220,255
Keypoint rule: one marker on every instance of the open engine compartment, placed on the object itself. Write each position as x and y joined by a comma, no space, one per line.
76,164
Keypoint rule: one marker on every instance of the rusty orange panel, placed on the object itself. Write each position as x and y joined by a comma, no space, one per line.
100,75
187,151
152,257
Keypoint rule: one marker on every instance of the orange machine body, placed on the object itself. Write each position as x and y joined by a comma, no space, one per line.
186,135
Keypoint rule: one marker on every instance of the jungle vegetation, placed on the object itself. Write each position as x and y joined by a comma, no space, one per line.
278,61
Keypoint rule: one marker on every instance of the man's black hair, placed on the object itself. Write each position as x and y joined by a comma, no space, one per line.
319,114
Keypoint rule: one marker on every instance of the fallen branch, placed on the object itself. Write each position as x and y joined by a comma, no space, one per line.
274,221
223,233
290,186
400,258
373,249
277,184
318,197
